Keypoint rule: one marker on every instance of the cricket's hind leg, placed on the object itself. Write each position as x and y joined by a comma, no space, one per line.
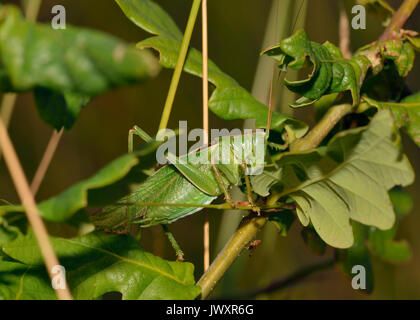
174,243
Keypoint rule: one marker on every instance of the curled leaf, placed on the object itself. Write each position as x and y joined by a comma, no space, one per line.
330,73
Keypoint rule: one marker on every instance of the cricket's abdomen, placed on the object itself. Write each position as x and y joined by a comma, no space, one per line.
167,185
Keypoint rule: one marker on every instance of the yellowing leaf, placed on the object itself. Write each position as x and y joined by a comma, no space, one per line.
348,179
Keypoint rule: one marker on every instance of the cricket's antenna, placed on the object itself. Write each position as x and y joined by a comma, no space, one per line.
298,15
270,104
271,99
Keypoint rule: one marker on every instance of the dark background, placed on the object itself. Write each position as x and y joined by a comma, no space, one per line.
236,30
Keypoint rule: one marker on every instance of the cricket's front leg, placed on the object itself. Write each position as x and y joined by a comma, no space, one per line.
136,131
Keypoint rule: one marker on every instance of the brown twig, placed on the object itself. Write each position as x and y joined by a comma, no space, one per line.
31,209
399,19
344,31
32,9
7,105
46,160
206,228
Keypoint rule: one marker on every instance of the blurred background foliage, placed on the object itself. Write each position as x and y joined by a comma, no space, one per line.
236,31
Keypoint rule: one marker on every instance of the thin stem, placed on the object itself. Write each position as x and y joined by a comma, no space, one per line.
7,106
206,227
285,282
344,32
9,100
32,9
323,127
46,160
179,65
32,212
399,19
205,74
206,242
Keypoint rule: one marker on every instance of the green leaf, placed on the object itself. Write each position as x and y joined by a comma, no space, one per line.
406,114
383,245
330,72
357,255
402,201
95,264
381,242
22,282
57,109
65,67
108,185
229,100
347,179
